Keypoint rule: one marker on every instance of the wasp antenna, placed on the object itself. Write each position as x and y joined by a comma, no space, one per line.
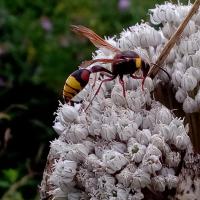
162,70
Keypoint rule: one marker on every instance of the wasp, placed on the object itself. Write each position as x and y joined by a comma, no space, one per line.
123,63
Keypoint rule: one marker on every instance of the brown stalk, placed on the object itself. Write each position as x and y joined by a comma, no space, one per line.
174,38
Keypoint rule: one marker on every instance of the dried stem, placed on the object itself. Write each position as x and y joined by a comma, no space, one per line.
174,38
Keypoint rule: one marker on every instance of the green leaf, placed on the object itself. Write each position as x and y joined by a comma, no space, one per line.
11,175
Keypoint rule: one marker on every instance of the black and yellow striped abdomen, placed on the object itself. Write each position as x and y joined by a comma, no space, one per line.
75,83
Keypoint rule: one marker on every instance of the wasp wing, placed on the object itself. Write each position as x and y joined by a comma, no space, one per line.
86,63
93,37
89,62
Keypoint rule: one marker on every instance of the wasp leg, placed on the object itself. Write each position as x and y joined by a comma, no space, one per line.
103,74
121,81
103,81
98,68
95,79
143,83
136,77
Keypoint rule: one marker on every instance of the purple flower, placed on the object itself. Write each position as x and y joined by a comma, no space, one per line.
46,24
123,5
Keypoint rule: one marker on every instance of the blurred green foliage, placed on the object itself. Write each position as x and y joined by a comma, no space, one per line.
37,52
37,37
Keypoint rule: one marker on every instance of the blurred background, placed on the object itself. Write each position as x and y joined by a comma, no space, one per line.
37,52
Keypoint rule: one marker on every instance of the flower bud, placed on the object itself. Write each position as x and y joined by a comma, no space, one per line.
128,132
113,160
189,105
194,71
68,113
148,122
180,95
125,177
162,130
140,179
177,78
93,162
118,146
76,133
158,183
173,159
143,137
132,83
151,164
189,29
106,181
188,46
136,152
148,83
171,57
164,116
77,152
126,40
182,141
65,171
189,82
168,29
94,128
108,132
171,181
152,150
117,97
179,66
187,60
163,13
159,142
59,128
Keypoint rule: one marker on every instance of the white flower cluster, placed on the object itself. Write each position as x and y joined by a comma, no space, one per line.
140,35
184,68
117,148
120,146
